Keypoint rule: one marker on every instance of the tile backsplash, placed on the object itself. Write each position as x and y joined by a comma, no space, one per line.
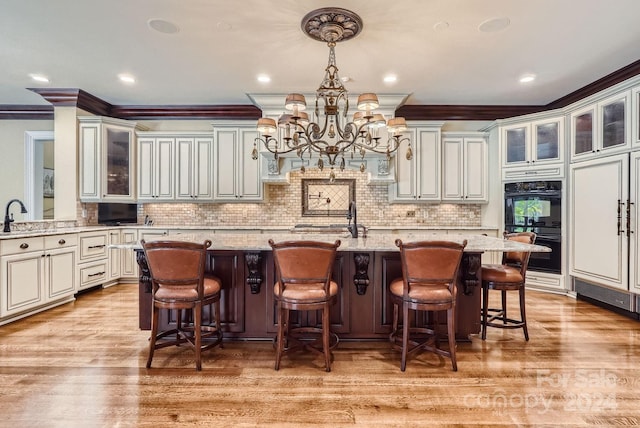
282,206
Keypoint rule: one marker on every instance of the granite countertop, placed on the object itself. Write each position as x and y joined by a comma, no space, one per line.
375,242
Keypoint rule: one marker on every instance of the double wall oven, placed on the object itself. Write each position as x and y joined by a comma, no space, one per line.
536,206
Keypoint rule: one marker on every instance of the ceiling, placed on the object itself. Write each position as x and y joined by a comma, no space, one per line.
434,47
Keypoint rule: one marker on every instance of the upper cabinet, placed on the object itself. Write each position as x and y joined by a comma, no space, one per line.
601,128
418,179
533,142
464,168
107,159
155,168
194,168
237,174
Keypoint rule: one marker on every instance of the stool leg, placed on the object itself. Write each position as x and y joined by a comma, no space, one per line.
451,327
504,306
523,314
217,318
197,331
405,336
485,309
394,323
325,337
280,337
154,333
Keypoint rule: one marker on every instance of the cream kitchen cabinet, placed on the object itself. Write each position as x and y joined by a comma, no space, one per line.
115,263
601,128
237,174
156,168
532,142
464,168
93,259
107,159
128,263
194,168
418,179
37,273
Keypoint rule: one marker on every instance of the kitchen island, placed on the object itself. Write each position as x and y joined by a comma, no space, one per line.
363,269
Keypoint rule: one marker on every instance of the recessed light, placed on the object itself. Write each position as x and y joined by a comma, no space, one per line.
526,78
39,78
127,78
263,78
440,26
162,26
494,24
390,78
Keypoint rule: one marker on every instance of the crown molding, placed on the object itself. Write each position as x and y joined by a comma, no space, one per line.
218,112
461,112
25,112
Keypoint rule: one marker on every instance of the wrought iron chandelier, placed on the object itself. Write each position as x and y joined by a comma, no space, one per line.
331,134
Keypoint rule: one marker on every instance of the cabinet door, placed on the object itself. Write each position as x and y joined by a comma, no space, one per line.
146,169
453,169
22,280
598,245
582,132
114,257
428,164
251,187
547,142
60,278
614,122
404,189
475,166
90,164
515,143
117,179
129,265
634,216
227,163
184,169
203,169
155,169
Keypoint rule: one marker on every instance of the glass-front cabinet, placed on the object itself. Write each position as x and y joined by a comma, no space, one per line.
533,142
601,128
107,161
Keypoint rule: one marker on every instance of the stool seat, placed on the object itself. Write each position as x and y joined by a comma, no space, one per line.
212,286
435,293
305,293
500,275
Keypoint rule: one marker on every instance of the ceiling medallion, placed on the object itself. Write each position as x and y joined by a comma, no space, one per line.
329,132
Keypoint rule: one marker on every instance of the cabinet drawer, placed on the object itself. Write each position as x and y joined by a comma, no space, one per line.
21,245
60,241
92,274
93,246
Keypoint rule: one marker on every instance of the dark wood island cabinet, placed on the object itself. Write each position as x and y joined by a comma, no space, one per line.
363,270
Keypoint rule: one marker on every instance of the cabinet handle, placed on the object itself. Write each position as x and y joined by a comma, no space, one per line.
96,246
96,274
62,242
619,215
24,245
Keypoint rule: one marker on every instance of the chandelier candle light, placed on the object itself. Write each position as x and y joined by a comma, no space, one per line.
331,134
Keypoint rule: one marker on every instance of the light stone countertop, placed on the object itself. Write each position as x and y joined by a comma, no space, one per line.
374,242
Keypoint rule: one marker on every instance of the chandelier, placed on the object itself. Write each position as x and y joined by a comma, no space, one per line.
331,134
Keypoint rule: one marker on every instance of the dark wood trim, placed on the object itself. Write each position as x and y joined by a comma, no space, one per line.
187,112
25,112
464,112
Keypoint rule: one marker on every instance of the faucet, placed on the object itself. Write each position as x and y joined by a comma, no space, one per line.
8,220
353,214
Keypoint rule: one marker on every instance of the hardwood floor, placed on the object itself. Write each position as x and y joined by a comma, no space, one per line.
82,365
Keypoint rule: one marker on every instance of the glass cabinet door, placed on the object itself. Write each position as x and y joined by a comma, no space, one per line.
613,124
516,145
547,141
118,150
583,133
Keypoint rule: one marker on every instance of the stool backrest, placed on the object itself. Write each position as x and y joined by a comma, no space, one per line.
518,259
176,265
304,262
430,262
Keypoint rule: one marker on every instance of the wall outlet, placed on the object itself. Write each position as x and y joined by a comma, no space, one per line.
411,213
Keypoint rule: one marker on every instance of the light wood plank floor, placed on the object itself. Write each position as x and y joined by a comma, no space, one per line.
83,365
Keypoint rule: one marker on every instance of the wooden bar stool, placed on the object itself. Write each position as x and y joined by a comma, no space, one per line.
303,283
177,275
428,283
508,276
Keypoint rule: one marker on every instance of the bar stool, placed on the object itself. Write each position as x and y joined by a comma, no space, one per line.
428,283
508,276
303,283
177,275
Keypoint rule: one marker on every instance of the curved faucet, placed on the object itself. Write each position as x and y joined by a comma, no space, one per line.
8,220
353,214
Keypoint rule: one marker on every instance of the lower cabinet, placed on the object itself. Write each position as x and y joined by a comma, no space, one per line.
93,263
36,272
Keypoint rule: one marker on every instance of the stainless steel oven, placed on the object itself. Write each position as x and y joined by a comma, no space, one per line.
536,206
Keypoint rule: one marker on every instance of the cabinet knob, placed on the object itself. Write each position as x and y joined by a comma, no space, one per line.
62,242
24,245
